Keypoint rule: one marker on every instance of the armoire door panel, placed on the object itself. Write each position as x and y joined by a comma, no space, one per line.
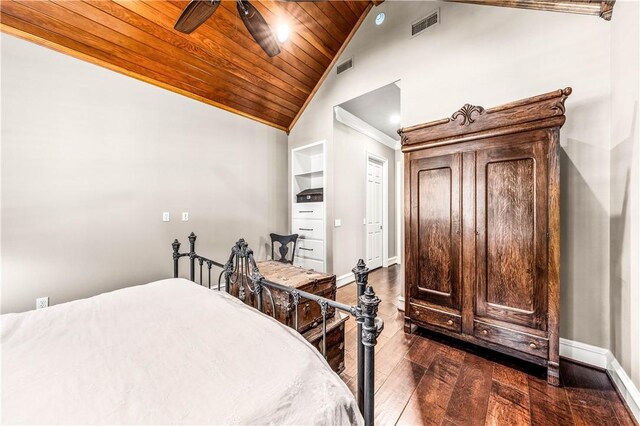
510,223
434,230
511,242
436,225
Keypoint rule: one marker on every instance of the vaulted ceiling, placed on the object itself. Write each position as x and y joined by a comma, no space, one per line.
219,63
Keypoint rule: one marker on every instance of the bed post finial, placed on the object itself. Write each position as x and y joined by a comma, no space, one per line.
176,255
192,257
361,273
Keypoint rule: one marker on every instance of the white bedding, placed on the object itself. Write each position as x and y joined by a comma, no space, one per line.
164,353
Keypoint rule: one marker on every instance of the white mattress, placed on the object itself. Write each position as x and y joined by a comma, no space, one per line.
164,353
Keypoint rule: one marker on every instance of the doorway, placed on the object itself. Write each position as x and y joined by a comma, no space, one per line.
376,205
365,152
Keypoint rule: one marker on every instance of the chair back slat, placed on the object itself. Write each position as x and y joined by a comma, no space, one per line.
285,243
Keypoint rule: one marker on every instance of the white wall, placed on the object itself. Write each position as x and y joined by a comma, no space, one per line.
91,159
625,213
351,148
488,56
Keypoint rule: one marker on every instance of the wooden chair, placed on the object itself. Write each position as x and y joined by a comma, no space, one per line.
285,241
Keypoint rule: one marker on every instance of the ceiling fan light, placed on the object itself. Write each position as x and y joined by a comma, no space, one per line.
283,33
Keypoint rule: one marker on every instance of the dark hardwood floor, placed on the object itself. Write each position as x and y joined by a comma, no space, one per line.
425,378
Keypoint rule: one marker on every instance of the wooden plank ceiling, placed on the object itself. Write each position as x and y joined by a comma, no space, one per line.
219,63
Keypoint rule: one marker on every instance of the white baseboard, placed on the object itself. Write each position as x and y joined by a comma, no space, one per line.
345,279
603,358
586,354
626,387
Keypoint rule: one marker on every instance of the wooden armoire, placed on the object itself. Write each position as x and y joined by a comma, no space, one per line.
482,227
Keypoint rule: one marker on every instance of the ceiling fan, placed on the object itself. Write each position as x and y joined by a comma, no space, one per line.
198,11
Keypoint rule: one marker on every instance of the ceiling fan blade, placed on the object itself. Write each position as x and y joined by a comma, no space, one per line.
194,15
258,27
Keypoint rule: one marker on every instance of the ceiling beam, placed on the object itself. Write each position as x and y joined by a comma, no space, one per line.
601,8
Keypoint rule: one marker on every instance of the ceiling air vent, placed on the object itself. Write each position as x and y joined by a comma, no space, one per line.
344,66
422,24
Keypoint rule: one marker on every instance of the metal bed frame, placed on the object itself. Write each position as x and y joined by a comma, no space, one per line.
241,270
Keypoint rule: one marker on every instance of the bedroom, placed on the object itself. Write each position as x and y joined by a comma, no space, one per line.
92,159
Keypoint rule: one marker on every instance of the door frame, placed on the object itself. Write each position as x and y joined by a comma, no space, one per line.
385,205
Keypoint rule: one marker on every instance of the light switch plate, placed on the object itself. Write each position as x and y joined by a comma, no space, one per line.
166,217
337,223
185,216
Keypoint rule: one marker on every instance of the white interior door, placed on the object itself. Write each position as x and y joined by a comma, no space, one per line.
374,213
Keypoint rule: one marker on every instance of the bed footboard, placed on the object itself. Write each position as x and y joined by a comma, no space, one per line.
241,270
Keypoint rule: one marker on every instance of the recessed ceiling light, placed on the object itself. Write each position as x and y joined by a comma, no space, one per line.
283,33
394,119
380,18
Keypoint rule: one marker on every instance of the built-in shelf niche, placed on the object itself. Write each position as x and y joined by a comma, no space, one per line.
307,166
308,219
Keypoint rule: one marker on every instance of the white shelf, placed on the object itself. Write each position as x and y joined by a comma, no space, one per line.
307,160
312,173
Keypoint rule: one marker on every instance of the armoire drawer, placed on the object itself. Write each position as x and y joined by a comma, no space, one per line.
307,210
311,249
308,228
435,317
523,342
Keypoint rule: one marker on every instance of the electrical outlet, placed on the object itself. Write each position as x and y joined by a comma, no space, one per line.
185,216
42,302
166,217
337,223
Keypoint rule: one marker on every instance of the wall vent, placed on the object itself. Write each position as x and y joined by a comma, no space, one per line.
428,21
344,66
